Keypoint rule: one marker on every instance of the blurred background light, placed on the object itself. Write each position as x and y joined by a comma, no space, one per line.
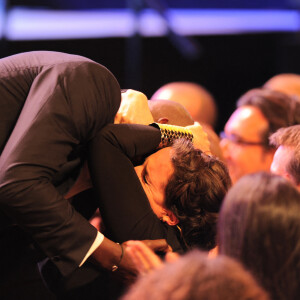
31,23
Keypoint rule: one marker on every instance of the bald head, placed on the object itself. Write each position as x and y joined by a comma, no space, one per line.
287,83
165,111
171,112
195,98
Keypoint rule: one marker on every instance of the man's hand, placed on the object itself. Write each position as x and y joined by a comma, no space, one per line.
200,140
109,254
134,109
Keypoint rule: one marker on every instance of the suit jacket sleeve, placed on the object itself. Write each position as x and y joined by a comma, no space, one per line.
124,206
67,104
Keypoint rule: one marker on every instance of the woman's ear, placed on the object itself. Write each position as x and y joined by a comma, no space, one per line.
170,218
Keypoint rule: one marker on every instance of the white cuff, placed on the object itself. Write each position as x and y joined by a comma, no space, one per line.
98,240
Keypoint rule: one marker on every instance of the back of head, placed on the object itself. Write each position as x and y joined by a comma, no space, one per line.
289,137
279,109
174,113
195,98
259,225
195,192
287,83
194,276
171,112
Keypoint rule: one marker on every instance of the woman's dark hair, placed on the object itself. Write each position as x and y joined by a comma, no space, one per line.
195,276
195,193
259,225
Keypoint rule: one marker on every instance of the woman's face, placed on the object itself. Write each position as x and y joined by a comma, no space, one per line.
154,176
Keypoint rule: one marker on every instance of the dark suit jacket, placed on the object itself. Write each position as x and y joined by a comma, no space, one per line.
51,105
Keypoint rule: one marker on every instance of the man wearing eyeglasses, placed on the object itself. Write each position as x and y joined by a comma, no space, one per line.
244,142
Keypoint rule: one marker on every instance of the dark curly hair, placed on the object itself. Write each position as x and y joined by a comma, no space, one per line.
195,193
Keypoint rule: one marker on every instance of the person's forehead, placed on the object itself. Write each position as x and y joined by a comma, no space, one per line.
159,159
278,163
160,168
246,121
160,165
282,155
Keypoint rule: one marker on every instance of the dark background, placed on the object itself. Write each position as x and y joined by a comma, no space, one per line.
228,65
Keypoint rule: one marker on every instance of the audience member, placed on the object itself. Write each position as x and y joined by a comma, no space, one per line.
195,98
286,160
287,83
259,113
194,276
259,225
198,102
170,112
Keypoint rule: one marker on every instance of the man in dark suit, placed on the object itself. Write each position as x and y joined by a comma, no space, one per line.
52,104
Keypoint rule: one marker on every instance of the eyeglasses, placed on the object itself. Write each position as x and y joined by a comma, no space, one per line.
238,140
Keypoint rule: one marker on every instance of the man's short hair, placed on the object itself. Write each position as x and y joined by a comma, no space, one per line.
279,109
195,193
289,137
